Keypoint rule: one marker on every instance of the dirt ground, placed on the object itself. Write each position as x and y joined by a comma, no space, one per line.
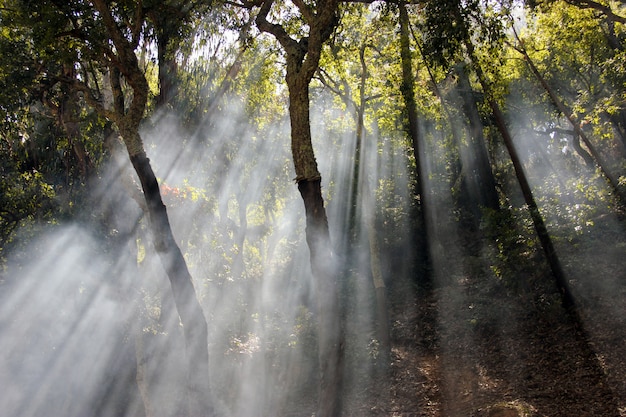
478,347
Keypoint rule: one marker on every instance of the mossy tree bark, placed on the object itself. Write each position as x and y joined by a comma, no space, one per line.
302,58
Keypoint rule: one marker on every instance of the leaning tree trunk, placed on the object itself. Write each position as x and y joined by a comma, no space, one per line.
127,110
597,156
189,308
540,227
535,214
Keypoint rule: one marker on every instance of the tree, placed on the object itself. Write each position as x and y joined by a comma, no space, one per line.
444,40
412,128
585,90
350,85
540,227
101,41
302,56
123,64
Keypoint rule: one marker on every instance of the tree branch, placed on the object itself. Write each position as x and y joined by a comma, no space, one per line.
93,101
335,87
276,30
605,10
128,66
306,10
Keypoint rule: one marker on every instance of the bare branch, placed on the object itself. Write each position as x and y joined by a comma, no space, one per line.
335,87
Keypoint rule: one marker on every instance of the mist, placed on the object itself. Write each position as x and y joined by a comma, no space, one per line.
89,326
66,323
88,321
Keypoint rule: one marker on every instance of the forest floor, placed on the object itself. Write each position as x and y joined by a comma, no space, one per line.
481,346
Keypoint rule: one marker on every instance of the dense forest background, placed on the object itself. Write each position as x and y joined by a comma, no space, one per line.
453,245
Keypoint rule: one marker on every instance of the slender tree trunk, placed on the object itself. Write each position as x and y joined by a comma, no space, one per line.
535,214
597,156
167,71
361,198
362,194
353,208
476,163
540,227
408,93
380,289
358,150
368,209
330,331
187,304
412,129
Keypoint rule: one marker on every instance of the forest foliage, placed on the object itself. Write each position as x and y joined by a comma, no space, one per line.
201,86
581,63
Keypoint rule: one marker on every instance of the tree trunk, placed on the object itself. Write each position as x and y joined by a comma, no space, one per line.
127,111
599,159
330,331
412,129
368,208
540,227
380,289
408,93
302,62
358,150
535,214
187,304
167,71
476,164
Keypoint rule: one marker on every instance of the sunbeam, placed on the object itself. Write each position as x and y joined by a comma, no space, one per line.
321,208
